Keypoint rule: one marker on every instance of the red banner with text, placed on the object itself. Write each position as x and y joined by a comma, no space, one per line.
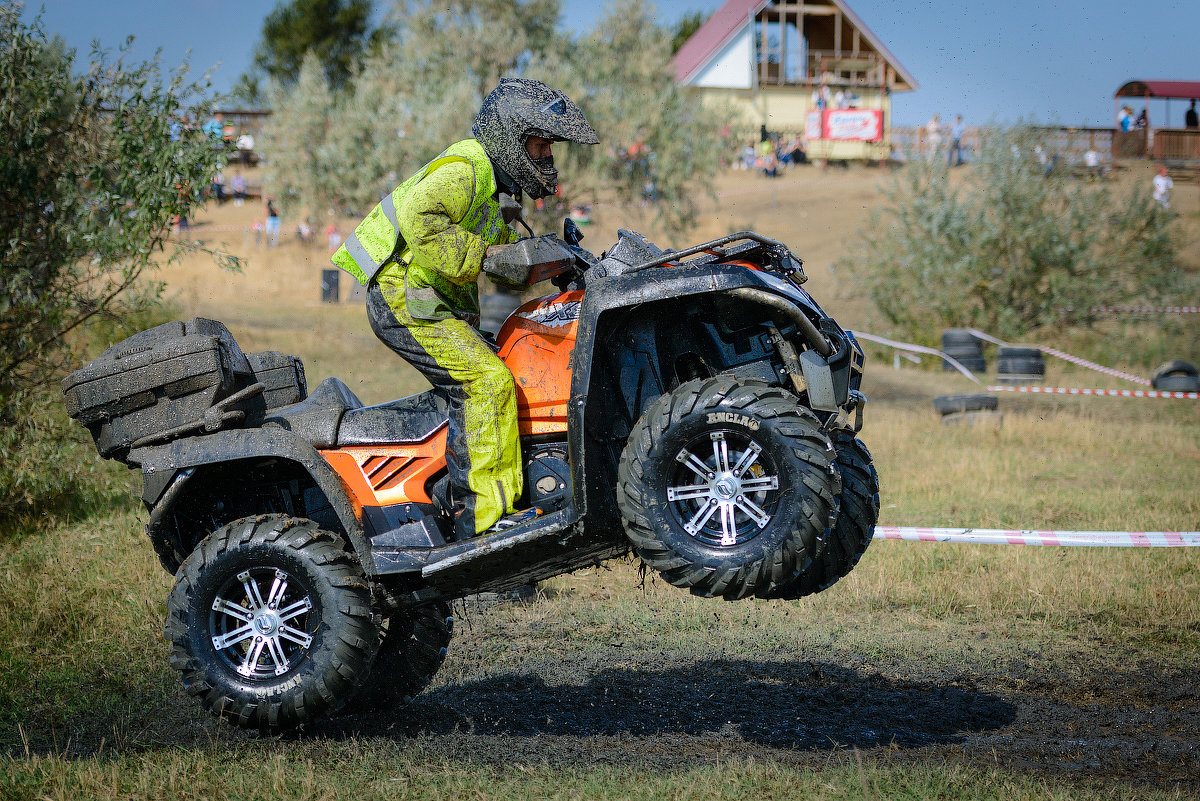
844,124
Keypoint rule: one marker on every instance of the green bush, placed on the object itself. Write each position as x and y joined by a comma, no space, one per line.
1015,246
96,166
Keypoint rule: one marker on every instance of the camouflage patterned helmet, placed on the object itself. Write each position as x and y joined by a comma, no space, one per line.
520,108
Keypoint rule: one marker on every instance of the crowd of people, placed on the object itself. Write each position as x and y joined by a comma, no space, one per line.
772,154
954,134
237,147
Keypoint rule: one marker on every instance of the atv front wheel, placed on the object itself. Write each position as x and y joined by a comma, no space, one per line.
858,512
727,487
270,622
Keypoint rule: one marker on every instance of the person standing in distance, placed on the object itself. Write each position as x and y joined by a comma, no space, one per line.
420,252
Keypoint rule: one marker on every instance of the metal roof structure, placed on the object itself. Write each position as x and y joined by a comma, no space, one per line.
1161,89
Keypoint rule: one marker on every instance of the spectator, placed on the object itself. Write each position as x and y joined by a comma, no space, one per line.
1162,188
245,147
258,227
272,223
1125,119
954,156
218,186
214,127
766,162
304,232
1091,161
792,152
1190,118
333,237
747,157
1143,120
933,134
237,185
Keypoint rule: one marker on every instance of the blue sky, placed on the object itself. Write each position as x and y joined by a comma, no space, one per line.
1052,61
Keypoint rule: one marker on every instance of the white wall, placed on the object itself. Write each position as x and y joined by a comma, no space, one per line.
731,68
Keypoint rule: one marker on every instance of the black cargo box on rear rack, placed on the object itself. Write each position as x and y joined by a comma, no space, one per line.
165,382
282,377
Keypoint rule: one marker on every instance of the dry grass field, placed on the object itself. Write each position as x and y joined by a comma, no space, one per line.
931,671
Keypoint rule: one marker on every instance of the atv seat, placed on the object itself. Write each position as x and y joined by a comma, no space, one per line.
316,418
410,419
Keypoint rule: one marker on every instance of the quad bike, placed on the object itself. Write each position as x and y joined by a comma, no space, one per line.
695,406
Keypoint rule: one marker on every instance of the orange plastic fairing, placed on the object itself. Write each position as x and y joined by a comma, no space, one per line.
384,475
536,344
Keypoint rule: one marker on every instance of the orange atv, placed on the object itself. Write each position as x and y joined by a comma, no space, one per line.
696,406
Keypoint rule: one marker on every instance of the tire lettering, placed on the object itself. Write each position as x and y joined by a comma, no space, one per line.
734,418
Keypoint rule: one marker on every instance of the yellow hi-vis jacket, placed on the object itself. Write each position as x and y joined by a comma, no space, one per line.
416,243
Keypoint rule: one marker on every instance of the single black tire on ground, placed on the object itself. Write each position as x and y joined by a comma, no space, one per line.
270,622
413,648
1178,383
952,404
1173,367
727,487
1020,365
858,512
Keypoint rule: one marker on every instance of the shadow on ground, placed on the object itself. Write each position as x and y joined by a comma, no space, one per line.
789,705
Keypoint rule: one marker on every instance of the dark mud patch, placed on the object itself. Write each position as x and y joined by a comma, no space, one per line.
679,716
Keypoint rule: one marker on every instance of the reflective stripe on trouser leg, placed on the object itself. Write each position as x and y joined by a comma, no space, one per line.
483,454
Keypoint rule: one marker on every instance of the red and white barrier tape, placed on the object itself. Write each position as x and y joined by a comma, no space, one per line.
1112,393
1068,357
1140,309
998,536
909,347
1098,368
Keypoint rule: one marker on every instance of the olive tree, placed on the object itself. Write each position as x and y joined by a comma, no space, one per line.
419,92
1020,242
98,162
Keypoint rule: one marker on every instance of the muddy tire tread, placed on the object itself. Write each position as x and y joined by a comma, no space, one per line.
354,639
807,444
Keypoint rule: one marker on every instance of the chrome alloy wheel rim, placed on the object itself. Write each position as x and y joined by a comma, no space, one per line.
261,623
726,496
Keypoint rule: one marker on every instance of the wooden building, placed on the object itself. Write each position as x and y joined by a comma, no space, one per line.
798,68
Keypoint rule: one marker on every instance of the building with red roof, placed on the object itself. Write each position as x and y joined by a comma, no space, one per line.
798,67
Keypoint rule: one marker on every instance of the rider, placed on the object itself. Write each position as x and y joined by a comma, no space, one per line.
420,252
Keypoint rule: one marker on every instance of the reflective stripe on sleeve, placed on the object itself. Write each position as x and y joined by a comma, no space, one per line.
389,211
363,259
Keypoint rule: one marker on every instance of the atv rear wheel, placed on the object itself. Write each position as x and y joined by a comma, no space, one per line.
413,647
858,512
727,487
270,622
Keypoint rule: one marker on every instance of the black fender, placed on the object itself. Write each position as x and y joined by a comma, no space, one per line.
644,288
168,469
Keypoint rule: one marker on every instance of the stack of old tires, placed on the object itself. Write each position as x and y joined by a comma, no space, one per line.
1019,365
965,348
1176,376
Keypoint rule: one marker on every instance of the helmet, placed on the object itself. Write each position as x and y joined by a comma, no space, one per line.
520,108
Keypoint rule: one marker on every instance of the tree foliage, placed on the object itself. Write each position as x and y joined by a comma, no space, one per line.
419,92
337,31
687,25
92,175
301,127
659,146
1017,245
